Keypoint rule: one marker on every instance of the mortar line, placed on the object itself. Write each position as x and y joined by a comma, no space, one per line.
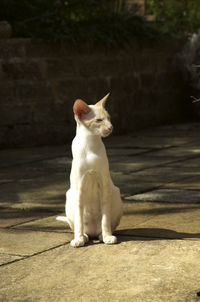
32,161
163,186
163,164
46,172
35,254
32,220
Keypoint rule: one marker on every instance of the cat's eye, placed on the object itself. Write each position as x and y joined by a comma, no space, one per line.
99,120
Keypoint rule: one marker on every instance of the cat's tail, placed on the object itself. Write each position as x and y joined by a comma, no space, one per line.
62,218
65,219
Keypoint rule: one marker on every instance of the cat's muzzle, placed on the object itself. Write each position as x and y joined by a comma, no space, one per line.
107,132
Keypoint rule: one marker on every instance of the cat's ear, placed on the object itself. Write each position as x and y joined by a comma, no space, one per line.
80,109
102,102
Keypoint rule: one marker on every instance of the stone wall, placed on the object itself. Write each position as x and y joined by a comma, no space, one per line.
39,83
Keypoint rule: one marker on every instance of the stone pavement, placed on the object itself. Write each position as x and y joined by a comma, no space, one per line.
157,257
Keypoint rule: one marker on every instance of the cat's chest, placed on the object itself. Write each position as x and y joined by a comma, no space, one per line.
93,160
85,161
89,155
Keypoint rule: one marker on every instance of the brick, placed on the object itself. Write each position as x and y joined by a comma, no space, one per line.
88,67
50,111
63,68
144,63
44,49
147,80
12,48
15,114
35,135
89,89
115,67
16,69
170,79
27,89
127,83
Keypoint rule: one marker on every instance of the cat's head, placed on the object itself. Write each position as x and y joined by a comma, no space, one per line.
94,117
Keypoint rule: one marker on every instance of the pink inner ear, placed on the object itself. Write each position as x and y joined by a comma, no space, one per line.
80,109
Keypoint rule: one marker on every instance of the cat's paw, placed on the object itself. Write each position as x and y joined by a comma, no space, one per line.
110,239
80,241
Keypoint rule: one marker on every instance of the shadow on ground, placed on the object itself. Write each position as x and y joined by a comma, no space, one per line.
154,234
180,208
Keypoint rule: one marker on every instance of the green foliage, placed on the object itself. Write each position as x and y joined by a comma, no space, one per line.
177,17
75,20
99,20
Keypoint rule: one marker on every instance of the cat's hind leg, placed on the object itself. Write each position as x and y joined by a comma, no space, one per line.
117,208
69,210
100,238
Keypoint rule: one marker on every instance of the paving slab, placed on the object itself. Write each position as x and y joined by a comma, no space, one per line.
47,224
137,163
23,243
187,163
161,141
21,174
60,164
115,152
6,258
168,195
149,179
192,183
178,152
158,139
19,156
46,192
167,173
133,183
161,220
195,145
10,217
157,257
134,270
187,130
29,171
120,141
136,213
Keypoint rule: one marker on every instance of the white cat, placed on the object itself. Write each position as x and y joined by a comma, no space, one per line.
93,203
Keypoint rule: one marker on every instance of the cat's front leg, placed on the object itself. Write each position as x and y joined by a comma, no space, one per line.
79,238
80,241
107,236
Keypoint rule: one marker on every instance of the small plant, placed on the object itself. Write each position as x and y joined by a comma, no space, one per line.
75,20
178,18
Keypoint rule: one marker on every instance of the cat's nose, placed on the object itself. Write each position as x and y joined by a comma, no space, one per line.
110,128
